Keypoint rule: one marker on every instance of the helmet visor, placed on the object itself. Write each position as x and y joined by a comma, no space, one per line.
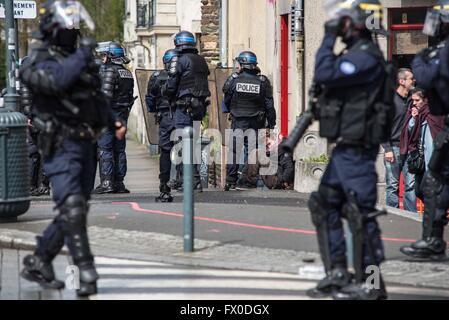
70,14
432,24
103,47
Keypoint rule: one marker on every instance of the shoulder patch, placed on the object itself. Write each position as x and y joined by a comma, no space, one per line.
126,74
347,68
235,75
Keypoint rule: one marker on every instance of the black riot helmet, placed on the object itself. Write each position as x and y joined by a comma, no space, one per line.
169,56
363,15
247,60
185,40
60,23
437,20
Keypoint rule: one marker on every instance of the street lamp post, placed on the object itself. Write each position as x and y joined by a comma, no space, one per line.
14,179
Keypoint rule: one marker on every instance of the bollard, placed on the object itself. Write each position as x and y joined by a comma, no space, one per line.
187,159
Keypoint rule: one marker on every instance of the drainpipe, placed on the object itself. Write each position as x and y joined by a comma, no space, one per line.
299,29
224,33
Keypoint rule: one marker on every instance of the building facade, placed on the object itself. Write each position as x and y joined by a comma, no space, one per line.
285,34
149,29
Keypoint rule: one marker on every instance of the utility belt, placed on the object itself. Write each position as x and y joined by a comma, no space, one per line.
260,118
357,145
163,111
196,107
53,133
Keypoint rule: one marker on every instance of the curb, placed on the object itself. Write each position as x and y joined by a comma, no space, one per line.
405,214
20,240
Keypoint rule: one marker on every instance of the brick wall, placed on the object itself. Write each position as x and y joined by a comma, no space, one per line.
210,29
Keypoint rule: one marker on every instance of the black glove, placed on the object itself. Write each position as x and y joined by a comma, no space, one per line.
333,27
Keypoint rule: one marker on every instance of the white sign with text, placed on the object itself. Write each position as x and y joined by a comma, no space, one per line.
22,10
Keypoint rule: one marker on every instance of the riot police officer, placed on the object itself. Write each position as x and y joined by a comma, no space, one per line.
164,107
188,84
431,70
70,110
39,184
118,85
353,112
248,97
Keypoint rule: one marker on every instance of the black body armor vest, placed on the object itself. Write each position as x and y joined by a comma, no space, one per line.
118,85
248,97
357,115
194,80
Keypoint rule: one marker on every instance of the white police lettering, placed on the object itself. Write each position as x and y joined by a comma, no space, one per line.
125,74
347,68
248,88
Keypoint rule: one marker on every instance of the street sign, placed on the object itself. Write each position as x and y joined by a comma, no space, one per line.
22,9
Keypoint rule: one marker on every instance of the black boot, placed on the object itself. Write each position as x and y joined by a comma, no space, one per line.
88,279
105,187
362,291
433,249
165,195
37,270
230,187
120,188
337,279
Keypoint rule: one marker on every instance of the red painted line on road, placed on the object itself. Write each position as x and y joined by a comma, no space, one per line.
136,207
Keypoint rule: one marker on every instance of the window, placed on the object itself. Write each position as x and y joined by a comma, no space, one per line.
152,12
141,15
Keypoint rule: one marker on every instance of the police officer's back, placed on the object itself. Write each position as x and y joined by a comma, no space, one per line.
188,81
248,97
188,85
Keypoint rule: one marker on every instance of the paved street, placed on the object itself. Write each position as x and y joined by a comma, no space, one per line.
259,234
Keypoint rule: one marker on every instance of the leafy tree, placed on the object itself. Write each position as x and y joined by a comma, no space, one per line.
108,16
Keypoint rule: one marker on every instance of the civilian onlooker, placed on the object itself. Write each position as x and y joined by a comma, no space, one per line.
420,131
393,164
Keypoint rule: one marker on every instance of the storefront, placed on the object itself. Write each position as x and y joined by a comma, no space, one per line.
406,37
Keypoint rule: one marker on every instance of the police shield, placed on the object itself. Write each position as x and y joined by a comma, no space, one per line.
142,77
221,119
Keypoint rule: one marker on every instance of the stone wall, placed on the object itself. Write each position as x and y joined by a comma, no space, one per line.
210,29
